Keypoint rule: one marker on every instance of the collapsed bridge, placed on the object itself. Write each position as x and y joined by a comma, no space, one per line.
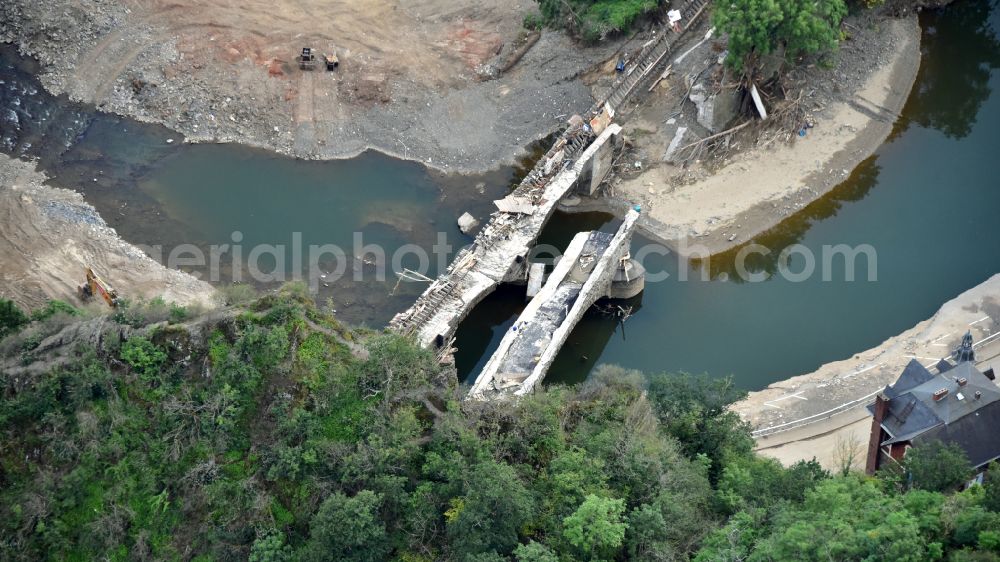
580,160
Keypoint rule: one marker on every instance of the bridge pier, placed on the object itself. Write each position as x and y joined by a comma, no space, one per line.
581,158
587,272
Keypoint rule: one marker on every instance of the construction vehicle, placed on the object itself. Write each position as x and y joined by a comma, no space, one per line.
96,286
332,61
307,60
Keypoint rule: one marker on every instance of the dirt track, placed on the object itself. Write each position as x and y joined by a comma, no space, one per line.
49,236
409,81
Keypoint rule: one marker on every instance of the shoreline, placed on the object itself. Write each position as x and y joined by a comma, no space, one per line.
819,397
755,212
52,235
216,73
759,188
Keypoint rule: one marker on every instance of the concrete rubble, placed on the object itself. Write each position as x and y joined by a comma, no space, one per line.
467,223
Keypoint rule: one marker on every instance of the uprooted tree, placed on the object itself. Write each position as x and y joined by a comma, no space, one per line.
761,27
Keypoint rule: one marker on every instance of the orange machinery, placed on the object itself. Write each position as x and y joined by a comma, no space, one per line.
96,286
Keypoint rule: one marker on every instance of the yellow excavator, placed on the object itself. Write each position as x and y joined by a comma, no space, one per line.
96,286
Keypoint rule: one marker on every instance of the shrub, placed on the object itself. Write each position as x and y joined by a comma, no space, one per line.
178,313
128,314
11,318
143,357
271,547
52,308
237,294
533,21
595,20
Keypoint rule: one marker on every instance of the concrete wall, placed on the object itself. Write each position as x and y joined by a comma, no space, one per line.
597,170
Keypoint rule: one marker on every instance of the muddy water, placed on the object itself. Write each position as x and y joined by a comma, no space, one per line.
927,202
161,193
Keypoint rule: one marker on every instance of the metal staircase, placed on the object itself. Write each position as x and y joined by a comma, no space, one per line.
652,56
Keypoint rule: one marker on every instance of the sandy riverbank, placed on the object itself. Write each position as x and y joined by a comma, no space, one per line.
818,395
50,236
762,186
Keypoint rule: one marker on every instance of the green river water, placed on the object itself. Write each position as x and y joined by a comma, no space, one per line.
927,202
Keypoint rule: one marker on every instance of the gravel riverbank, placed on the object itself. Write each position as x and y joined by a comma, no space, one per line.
409,84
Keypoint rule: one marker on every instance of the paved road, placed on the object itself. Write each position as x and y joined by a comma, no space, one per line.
815,414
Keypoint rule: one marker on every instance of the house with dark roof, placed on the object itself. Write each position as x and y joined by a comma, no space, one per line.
958,405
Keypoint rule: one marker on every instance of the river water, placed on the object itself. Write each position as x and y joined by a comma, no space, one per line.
159,193
926,202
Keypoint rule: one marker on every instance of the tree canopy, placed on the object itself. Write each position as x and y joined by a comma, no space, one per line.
761,27
258,433
937,467
11,317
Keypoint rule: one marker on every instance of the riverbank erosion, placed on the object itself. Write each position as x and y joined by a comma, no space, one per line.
50,236
411,81
823,413
709,206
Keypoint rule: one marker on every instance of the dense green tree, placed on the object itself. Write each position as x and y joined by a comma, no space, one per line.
991,488
596,527
261,435
348,529
844,518
763,482
737,539
694,410
494,507
647,536
534,552
760,27
937,467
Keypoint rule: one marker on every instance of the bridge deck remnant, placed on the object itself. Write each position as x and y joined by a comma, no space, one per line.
499,252
583,275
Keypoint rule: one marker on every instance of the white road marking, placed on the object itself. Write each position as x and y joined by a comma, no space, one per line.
941,338
786,397
984,340
858,372
980,320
